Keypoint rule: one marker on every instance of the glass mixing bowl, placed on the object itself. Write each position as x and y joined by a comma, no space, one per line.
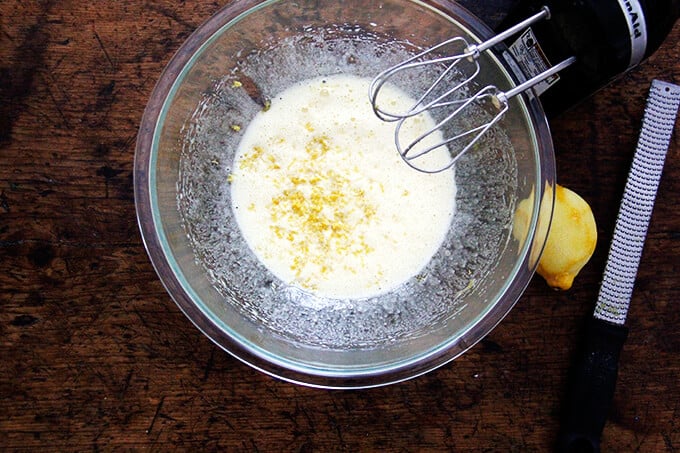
186,146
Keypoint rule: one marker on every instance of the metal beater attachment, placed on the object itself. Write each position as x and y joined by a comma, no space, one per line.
462,116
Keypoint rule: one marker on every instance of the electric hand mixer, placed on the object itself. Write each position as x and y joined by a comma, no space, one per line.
575,26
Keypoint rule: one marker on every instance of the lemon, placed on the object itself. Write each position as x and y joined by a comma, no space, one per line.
571,239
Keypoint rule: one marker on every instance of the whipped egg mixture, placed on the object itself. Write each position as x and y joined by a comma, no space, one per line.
323,198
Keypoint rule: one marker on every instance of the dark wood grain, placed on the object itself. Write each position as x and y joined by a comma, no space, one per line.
95,355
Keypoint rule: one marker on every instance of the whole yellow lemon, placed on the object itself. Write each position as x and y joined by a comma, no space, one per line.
571,239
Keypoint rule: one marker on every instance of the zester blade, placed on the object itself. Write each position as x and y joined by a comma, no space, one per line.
637,204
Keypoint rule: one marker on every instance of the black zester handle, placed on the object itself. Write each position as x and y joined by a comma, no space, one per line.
591,390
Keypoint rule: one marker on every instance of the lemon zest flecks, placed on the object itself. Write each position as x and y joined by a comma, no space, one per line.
317,210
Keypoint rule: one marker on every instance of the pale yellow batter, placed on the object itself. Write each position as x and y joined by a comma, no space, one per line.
323,198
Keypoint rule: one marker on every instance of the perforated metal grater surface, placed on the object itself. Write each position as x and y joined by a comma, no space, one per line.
637,204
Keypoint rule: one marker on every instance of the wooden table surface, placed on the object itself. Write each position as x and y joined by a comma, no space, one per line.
94,354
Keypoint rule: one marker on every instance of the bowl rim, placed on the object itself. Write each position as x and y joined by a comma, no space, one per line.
152,235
